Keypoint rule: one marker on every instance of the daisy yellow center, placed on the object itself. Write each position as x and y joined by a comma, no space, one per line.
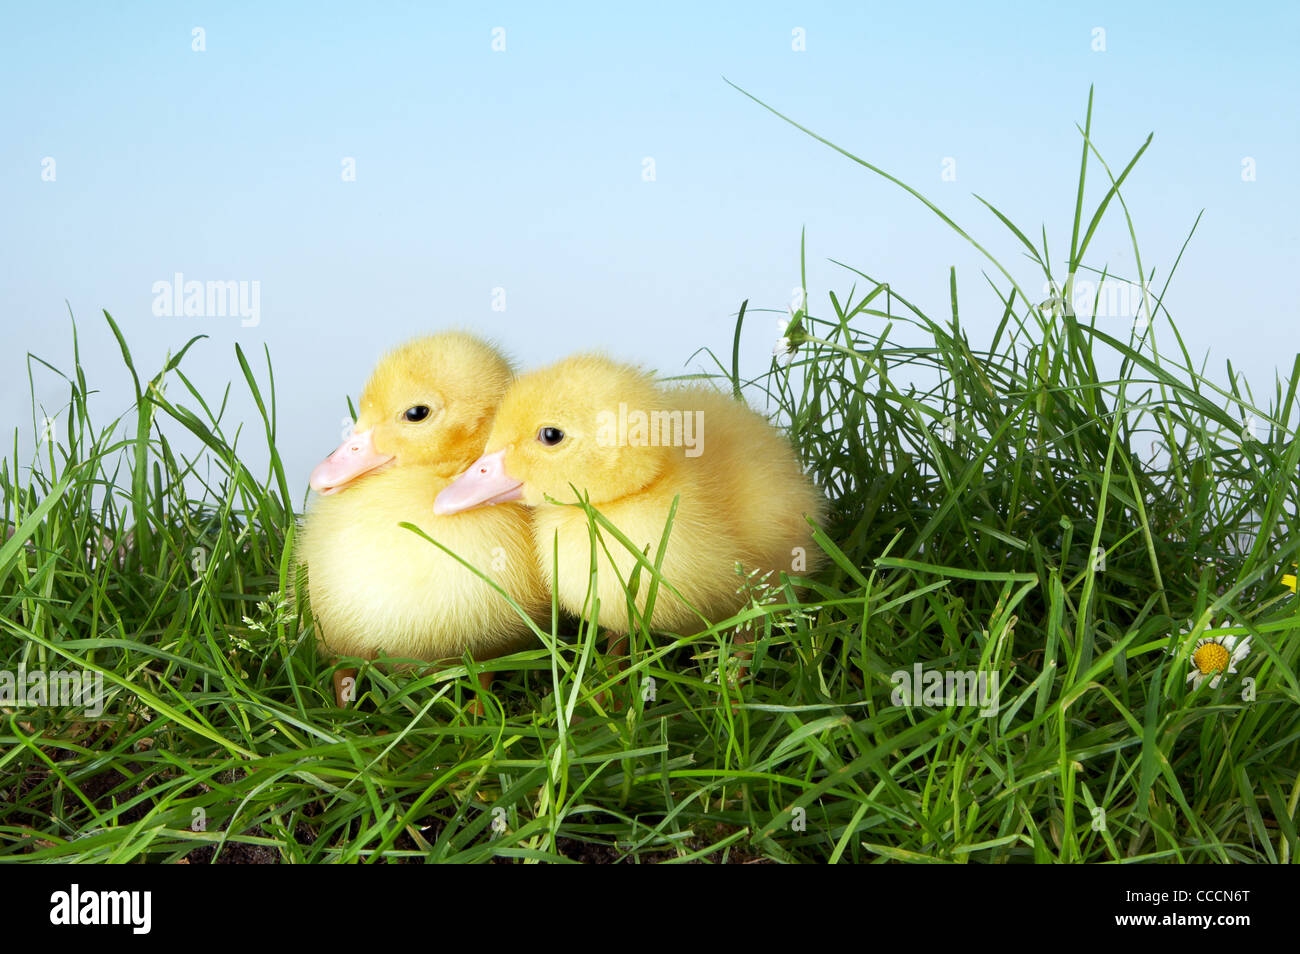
1212,657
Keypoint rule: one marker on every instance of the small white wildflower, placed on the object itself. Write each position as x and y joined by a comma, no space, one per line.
784,349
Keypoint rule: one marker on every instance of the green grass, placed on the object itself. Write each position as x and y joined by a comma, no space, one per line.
970,486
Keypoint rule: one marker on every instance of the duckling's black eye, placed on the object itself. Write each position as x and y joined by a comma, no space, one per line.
417,413
550,436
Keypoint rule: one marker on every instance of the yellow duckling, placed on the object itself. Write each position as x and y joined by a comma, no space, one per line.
632,446
373,585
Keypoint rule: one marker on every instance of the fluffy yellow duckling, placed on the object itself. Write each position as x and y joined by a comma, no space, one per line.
373,585
633,445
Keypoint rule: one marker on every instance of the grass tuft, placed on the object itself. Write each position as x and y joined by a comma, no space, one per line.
1066,509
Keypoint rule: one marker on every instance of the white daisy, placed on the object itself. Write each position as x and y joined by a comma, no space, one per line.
783,352
1214,657
784,349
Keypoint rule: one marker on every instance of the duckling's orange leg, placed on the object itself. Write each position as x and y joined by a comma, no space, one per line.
742,652
345,687
745,638
616,646
485,678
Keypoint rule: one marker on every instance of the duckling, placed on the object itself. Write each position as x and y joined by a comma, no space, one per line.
373,585
631,445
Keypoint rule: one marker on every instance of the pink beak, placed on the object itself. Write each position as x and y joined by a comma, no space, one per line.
485,482
354,457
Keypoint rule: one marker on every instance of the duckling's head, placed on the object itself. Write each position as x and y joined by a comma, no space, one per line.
560,426
428,402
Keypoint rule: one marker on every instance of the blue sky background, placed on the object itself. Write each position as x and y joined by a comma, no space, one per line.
522,170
